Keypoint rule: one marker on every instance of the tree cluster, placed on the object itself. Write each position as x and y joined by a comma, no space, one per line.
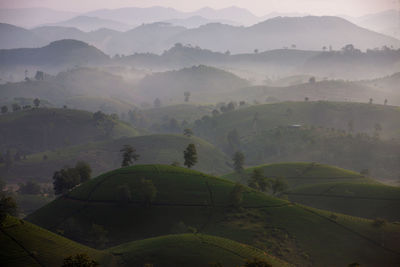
67,178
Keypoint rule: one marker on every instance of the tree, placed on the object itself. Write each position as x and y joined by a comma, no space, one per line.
4,109
385,102
258,181
8,160
190,155
371,101
188,132
8,206
29,188
306,99
64,180
148,191
84,170
79,260
187,96
238,161
36,102
236,196
129,155
157,103
278,185
15,107
39,76
312,80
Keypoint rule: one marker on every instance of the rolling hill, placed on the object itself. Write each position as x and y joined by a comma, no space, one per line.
349,135
362,200
106,155
299,174
203,83
190,250
17,37
25,244
187,200
330,188
40,129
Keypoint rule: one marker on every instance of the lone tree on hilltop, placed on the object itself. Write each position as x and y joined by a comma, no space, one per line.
238,161
129,155
190,155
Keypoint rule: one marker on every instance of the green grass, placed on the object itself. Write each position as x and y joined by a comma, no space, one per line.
356,199
302,173
190,250
24,244
29,203
188,199
105,156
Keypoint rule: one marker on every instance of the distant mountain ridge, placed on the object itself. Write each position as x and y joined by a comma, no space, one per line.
305,33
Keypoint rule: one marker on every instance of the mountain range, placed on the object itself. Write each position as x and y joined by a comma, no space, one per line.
306,33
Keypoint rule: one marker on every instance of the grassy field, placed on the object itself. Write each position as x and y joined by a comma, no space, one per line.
188,201
106,155
24,244
302,174
190,250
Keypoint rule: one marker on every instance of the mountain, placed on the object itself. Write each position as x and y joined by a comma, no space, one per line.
232,13
197,21
87,24
67,53
136,15
383,22
307,33
33,17
154,37
16,37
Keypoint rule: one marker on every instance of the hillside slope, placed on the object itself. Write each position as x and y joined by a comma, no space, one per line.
186,200
24,244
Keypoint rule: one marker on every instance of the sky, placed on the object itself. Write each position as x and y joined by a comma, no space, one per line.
258,7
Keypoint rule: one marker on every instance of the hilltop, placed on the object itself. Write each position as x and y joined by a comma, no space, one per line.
187,200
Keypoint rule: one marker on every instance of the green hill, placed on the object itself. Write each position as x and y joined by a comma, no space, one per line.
189,250
362,200
41,129
24,244
188,200
302,174
350,135
106,155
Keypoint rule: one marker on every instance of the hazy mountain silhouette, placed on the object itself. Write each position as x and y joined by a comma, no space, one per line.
32,17
85,23
16,37
197,21
59,53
